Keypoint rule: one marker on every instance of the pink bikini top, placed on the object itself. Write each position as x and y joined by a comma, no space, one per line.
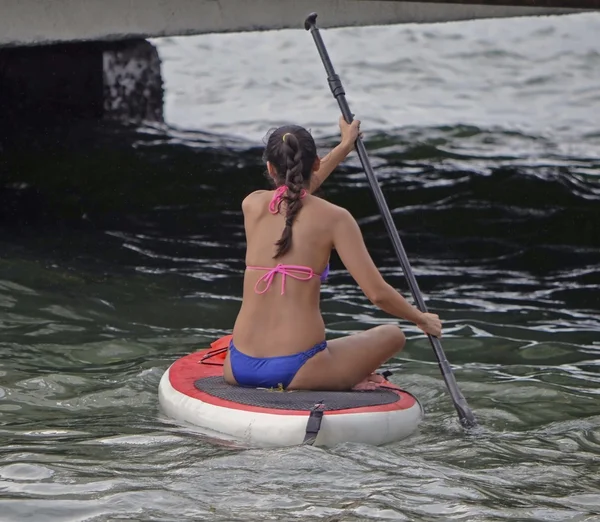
299,272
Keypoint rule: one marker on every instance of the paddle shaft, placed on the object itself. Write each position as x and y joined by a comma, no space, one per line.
465,414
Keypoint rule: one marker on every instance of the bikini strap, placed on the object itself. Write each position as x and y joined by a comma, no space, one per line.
278,196
301,273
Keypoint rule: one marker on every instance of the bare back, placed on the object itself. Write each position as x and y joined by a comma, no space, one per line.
271,324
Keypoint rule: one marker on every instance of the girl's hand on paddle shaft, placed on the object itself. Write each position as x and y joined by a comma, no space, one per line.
350,133
431,324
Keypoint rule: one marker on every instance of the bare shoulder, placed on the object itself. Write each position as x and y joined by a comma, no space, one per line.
337,220
335,212
252,200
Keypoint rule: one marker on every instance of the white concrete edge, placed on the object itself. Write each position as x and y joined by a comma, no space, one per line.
31,22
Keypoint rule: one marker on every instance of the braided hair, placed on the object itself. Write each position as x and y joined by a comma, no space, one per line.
292,151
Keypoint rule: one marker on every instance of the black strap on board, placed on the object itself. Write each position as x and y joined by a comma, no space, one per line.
313,425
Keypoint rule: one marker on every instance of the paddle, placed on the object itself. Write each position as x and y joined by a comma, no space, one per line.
465,414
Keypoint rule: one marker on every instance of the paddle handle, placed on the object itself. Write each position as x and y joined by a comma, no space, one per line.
464,412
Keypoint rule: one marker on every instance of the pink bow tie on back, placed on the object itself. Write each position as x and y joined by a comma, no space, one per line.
301,273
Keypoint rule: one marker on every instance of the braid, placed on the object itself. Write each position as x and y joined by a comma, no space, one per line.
291,150
294,180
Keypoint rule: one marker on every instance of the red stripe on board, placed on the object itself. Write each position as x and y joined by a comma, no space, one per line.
186,371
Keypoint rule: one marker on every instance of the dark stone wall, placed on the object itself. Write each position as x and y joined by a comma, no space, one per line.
132,81
68,119
41,87
59,85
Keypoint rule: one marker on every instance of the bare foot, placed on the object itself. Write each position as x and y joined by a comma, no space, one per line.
375,377
372,382
365,385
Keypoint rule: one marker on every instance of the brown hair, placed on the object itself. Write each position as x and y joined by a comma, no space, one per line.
292,151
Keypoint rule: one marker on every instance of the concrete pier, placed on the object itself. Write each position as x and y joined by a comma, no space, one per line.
34,22
132,81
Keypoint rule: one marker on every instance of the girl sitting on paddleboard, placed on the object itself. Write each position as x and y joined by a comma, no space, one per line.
279,335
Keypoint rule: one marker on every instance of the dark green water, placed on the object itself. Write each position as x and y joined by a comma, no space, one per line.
122,250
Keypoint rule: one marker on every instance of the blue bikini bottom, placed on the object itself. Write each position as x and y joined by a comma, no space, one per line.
268,372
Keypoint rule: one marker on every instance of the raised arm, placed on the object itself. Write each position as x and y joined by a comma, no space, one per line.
350,246
329,162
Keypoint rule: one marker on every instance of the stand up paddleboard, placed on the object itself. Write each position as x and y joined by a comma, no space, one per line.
193,390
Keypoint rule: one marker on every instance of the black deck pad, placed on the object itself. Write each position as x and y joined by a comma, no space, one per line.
294,400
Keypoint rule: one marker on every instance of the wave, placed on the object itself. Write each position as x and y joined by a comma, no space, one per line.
448,182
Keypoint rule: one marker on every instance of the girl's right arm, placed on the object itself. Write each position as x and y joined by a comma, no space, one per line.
350,133
350,246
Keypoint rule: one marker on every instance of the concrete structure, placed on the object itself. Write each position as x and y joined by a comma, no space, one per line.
34,22
59,84
70,60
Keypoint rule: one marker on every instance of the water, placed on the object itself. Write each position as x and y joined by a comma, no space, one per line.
122,250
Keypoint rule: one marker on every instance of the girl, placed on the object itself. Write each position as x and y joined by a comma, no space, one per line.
279,335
